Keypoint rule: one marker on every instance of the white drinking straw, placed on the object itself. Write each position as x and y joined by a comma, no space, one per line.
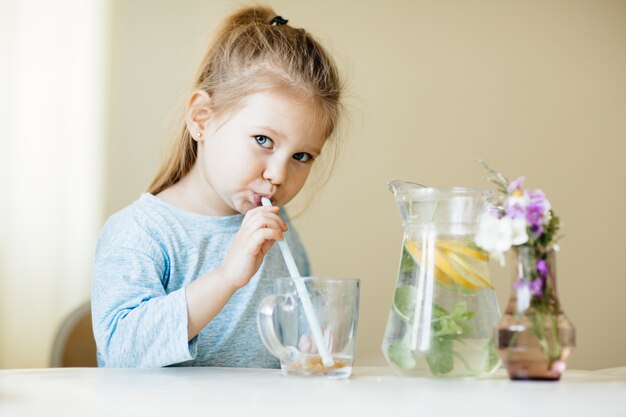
311,318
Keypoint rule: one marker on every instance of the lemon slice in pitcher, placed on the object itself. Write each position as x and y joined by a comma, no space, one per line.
461,249
469,270
452,271
462,272
416,253
455,261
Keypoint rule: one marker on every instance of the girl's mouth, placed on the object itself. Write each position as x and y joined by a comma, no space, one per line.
256,199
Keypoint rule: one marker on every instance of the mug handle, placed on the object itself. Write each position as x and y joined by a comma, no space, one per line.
265,323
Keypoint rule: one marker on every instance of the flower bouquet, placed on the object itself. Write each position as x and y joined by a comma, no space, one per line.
534,338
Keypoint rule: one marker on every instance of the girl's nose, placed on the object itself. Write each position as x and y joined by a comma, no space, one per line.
276,172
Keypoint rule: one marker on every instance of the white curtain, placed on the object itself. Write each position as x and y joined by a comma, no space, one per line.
52,113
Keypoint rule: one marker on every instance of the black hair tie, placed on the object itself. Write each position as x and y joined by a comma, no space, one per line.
278,21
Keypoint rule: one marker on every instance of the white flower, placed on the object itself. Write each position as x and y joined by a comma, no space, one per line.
496,236
498,256
518,231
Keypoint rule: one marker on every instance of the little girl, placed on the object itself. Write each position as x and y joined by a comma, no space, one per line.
179,273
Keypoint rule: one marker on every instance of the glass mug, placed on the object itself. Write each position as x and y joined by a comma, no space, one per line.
285,331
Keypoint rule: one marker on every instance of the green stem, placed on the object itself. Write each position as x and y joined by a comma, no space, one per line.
539,331
512,343
556,344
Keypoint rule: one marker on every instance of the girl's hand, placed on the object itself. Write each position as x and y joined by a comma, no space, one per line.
261,227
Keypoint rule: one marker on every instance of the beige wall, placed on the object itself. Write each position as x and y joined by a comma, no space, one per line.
535,88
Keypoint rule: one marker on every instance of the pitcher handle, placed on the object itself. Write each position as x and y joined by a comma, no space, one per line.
265,324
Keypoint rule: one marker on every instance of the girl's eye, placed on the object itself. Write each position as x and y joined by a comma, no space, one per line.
302,156
264,141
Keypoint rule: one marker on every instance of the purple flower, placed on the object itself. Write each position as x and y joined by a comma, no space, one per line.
516,185
514,207
535,218
536,229
536,287
542,267
538,200
537,210
516,202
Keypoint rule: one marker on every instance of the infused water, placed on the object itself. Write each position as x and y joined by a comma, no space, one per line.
444,310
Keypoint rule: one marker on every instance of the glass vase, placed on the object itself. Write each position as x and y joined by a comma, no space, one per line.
534,338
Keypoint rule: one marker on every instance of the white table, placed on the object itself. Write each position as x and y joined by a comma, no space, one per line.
371,391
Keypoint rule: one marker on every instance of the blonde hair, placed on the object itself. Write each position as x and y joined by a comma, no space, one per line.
254,51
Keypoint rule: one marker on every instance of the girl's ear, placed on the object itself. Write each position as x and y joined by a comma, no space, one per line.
198,114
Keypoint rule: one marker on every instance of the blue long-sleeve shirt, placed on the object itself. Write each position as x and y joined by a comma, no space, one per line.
145,257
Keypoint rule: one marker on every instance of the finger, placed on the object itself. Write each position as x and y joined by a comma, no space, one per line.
267,245
271,234
304,344
261,224
263,239
261,210
266,220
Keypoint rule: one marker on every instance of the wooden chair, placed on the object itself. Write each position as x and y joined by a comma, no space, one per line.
74,344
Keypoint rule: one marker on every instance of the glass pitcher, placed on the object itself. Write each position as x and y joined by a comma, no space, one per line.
445,307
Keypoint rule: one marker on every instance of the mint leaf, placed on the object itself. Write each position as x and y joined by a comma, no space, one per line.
447,327
451,323
404,302
401,355
440,358
493,358
439,312
407,263
460,315
459,309
473,245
